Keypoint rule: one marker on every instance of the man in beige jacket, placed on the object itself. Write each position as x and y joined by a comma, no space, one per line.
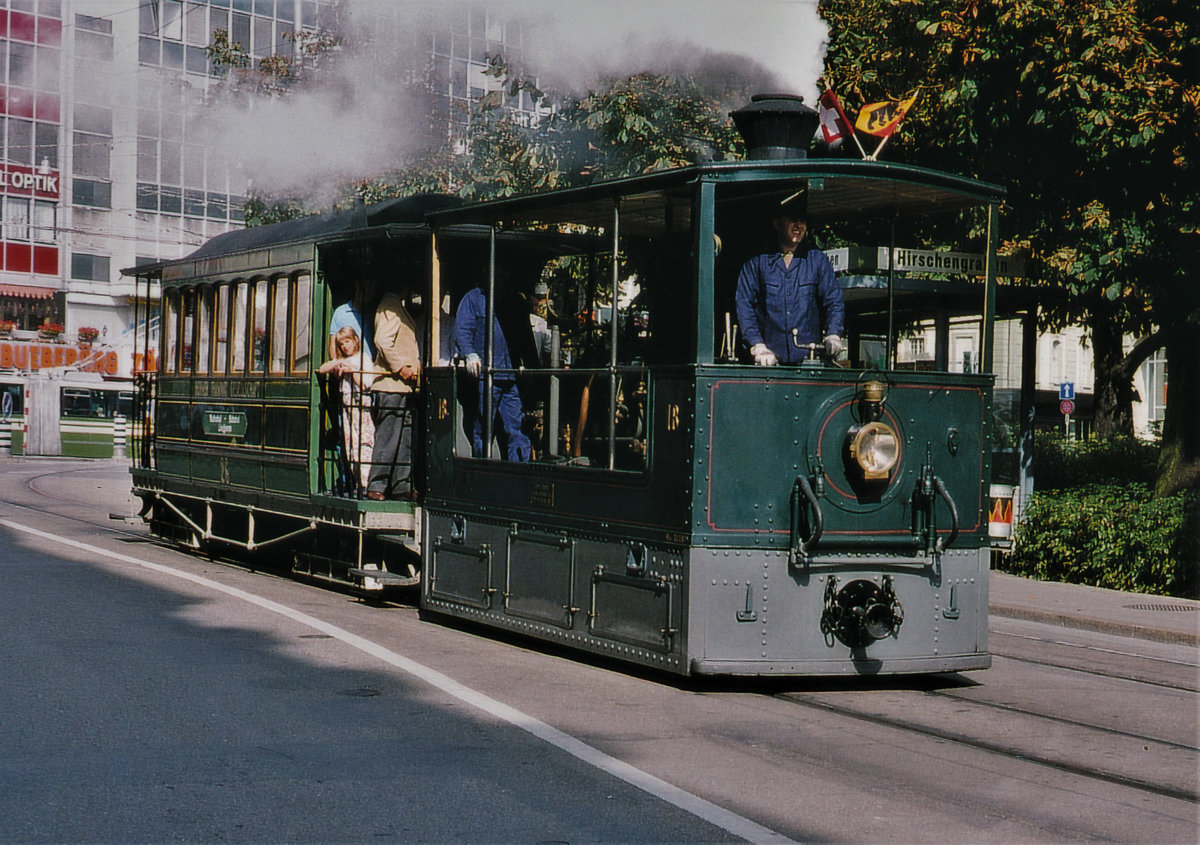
398,356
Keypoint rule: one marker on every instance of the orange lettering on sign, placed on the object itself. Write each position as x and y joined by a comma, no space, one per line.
20,355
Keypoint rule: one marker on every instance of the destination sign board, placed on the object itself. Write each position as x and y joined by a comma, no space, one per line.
224,423
875,260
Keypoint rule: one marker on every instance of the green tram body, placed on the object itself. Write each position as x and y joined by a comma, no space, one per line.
685,510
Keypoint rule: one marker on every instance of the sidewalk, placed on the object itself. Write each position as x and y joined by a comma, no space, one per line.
1167,620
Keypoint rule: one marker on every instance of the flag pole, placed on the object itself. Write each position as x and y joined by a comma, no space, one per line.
875,155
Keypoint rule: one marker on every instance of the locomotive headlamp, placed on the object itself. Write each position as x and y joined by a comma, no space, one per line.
875,448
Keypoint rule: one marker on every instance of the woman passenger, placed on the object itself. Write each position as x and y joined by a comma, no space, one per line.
357,373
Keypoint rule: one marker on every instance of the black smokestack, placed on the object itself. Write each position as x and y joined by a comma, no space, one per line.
776,126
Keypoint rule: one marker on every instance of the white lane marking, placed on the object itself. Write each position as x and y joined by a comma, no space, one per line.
694,804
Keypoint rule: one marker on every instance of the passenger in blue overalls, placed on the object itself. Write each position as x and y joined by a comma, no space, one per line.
512,349
788,298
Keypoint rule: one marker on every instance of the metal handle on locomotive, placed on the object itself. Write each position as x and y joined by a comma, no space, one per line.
816,351
799,546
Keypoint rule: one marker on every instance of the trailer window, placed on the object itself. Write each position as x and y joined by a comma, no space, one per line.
260,306
187,330
279,326
221,331
237,327
170,322
302,333
204,351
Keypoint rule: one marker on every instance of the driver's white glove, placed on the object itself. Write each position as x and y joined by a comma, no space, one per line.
474,365
763,356
833,345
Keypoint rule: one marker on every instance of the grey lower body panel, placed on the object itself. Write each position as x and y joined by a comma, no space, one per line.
702,611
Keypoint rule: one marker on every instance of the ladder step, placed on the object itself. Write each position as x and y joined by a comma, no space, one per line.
406,540
389,579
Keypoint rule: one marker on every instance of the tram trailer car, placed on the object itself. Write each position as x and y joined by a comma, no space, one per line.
684,509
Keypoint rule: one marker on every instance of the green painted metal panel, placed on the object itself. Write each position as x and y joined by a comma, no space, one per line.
757,434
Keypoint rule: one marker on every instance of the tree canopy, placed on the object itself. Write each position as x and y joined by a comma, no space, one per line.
1087,111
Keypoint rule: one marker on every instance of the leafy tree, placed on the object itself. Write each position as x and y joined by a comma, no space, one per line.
1087,111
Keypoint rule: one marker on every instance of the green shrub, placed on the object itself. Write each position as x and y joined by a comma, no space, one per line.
1072,463
1110,535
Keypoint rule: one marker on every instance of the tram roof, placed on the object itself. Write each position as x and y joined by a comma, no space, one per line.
837,189
318,227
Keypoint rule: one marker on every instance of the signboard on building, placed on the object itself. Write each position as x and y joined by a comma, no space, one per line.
29,181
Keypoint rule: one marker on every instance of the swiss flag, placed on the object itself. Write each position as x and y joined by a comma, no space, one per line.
835,126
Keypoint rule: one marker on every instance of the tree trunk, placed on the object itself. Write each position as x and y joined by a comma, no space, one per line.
1179,461
1113,396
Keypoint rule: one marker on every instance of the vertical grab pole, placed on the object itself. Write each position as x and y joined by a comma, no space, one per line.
890,350
989,289
433,340
486,406
703,304
612,358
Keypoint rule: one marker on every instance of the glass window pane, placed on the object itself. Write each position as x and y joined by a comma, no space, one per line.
92,156
20,65
148,17
172,55
172,163
193,203
264,39
48,68
221,331
46,142
280,329
241,31
170,323
20,141
237,328
95,119
186,330
147,197
170,200
193,165
44,225
204,320
16,219
196,25
149,51
197,60
218,206
303,334
217,19
172,19
147,160
259,354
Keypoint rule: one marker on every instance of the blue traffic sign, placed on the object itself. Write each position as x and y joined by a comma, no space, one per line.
1066,390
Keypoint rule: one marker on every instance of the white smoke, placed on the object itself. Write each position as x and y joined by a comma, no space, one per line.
363,121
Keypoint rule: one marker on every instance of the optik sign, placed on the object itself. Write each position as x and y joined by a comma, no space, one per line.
15,179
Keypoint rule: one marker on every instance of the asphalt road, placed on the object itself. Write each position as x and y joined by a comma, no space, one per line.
154,696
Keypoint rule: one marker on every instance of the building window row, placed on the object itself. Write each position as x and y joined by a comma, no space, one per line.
190,203
174,33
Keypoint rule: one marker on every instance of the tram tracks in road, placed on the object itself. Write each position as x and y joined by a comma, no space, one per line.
1156,671
1011,732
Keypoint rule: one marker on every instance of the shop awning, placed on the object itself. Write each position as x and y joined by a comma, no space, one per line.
27,291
